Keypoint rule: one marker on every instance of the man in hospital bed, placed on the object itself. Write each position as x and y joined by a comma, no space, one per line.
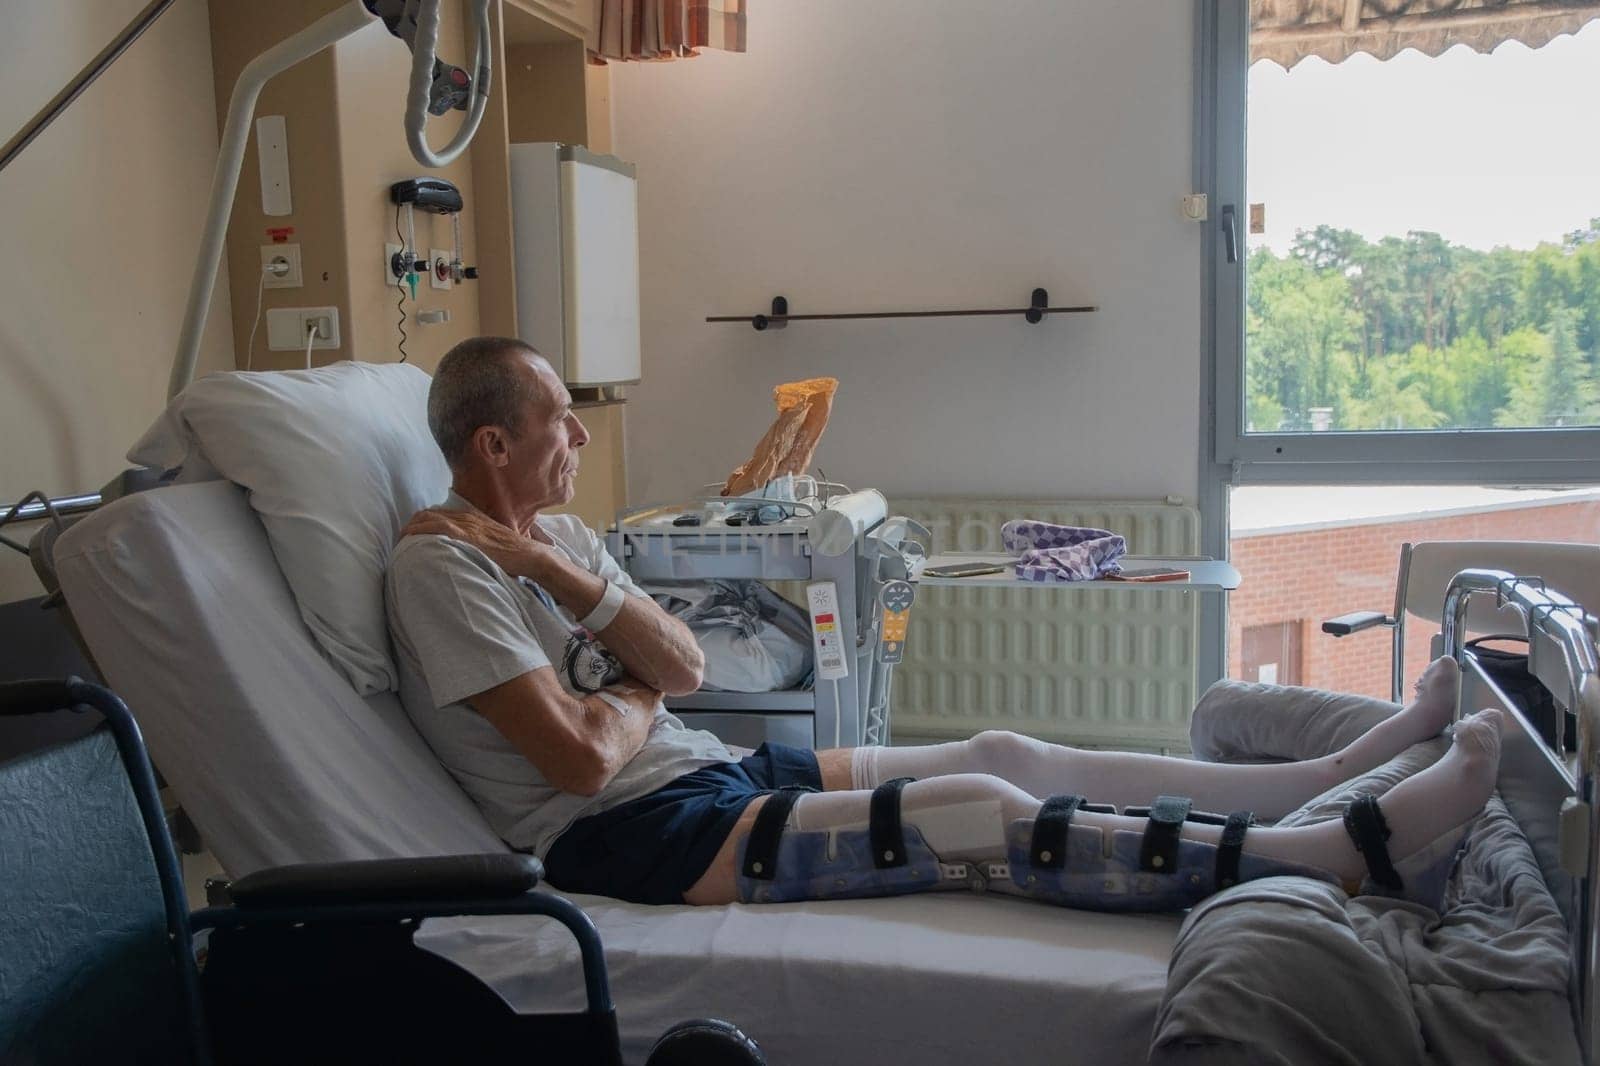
535,668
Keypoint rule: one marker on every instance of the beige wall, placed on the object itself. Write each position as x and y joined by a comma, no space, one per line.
103,218
239,32
869,156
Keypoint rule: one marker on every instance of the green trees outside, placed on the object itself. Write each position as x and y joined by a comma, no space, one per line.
1418,333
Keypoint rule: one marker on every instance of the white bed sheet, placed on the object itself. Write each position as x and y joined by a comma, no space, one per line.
279,761
926,980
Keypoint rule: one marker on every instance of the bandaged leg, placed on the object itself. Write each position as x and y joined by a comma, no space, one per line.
904,836
1126,778
978,831
1404,844
1068,856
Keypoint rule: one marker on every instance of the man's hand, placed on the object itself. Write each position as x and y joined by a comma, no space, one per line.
514,553
636,694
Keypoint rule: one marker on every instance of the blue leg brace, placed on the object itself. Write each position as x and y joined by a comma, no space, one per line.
1157,870
1049,858
885,859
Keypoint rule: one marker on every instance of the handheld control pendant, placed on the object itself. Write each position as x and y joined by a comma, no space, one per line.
894,600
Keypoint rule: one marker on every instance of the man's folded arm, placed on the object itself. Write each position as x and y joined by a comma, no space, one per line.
576,744
651,644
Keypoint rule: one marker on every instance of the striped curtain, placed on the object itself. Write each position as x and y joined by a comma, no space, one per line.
664,29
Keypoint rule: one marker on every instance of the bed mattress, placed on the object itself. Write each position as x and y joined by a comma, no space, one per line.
945,978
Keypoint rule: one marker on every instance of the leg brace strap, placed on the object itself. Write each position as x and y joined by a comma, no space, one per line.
1048,848
1159,850
1231,846
1364,821
883,823
761,845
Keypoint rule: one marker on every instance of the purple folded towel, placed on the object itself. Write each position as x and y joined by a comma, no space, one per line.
1049,552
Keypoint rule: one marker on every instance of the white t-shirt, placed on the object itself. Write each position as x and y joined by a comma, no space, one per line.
462,626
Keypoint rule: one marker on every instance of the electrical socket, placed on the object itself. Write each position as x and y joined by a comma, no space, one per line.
436,256
287,254
287,326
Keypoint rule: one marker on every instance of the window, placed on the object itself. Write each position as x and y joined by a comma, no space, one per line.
1401,260
1317,552
1407,243
1418,267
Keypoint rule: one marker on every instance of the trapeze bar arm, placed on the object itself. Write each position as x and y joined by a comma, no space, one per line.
85,77
347,19
420,96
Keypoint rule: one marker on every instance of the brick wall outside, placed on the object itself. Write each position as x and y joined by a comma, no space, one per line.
1312,575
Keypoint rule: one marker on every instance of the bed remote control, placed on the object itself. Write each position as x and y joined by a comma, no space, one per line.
827,635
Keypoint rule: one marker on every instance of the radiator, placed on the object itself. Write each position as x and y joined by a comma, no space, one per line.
1090,667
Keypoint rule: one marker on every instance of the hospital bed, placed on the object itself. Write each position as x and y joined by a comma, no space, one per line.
278,760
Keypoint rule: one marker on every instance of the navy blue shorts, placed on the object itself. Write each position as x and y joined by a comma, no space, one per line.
653,849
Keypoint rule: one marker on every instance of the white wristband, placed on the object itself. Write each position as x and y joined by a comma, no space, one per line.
617,704
605,612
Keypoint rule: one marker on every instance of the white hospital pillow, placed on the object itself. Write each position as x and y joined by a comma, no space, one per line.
335,460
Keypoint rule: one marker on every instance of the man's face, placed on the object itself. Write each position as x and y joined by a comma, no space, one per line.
544,460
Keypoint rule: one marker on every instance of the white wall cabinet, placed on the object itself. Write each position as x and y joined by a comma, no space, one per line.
575,222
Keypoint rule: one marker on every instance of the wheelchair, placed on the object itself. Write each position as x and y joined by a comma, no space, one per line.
103,962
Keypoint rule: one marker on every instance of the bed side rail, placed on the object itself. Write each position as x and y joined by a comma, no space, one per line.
1550,792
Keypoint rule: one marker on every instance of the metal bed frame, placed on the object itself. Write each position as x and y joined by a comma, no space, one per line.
1548,789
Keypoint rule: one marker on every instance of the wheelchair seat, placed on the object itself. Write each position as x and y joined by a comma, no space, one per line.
1426,569
100,960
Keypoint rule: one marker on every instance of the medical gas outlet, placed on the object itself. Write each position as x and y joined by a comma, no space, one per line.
405,264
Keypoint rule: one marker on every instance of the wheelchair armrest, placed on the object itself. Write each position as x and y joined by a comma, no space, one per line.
1355,622
443,877
705,1042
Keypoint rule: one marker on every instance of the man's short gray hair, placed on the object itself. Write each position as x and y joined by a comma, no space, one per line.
483,381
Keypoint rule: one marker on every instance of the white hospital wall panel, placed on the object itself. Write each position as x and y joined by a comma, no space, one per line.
890,156
104,216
